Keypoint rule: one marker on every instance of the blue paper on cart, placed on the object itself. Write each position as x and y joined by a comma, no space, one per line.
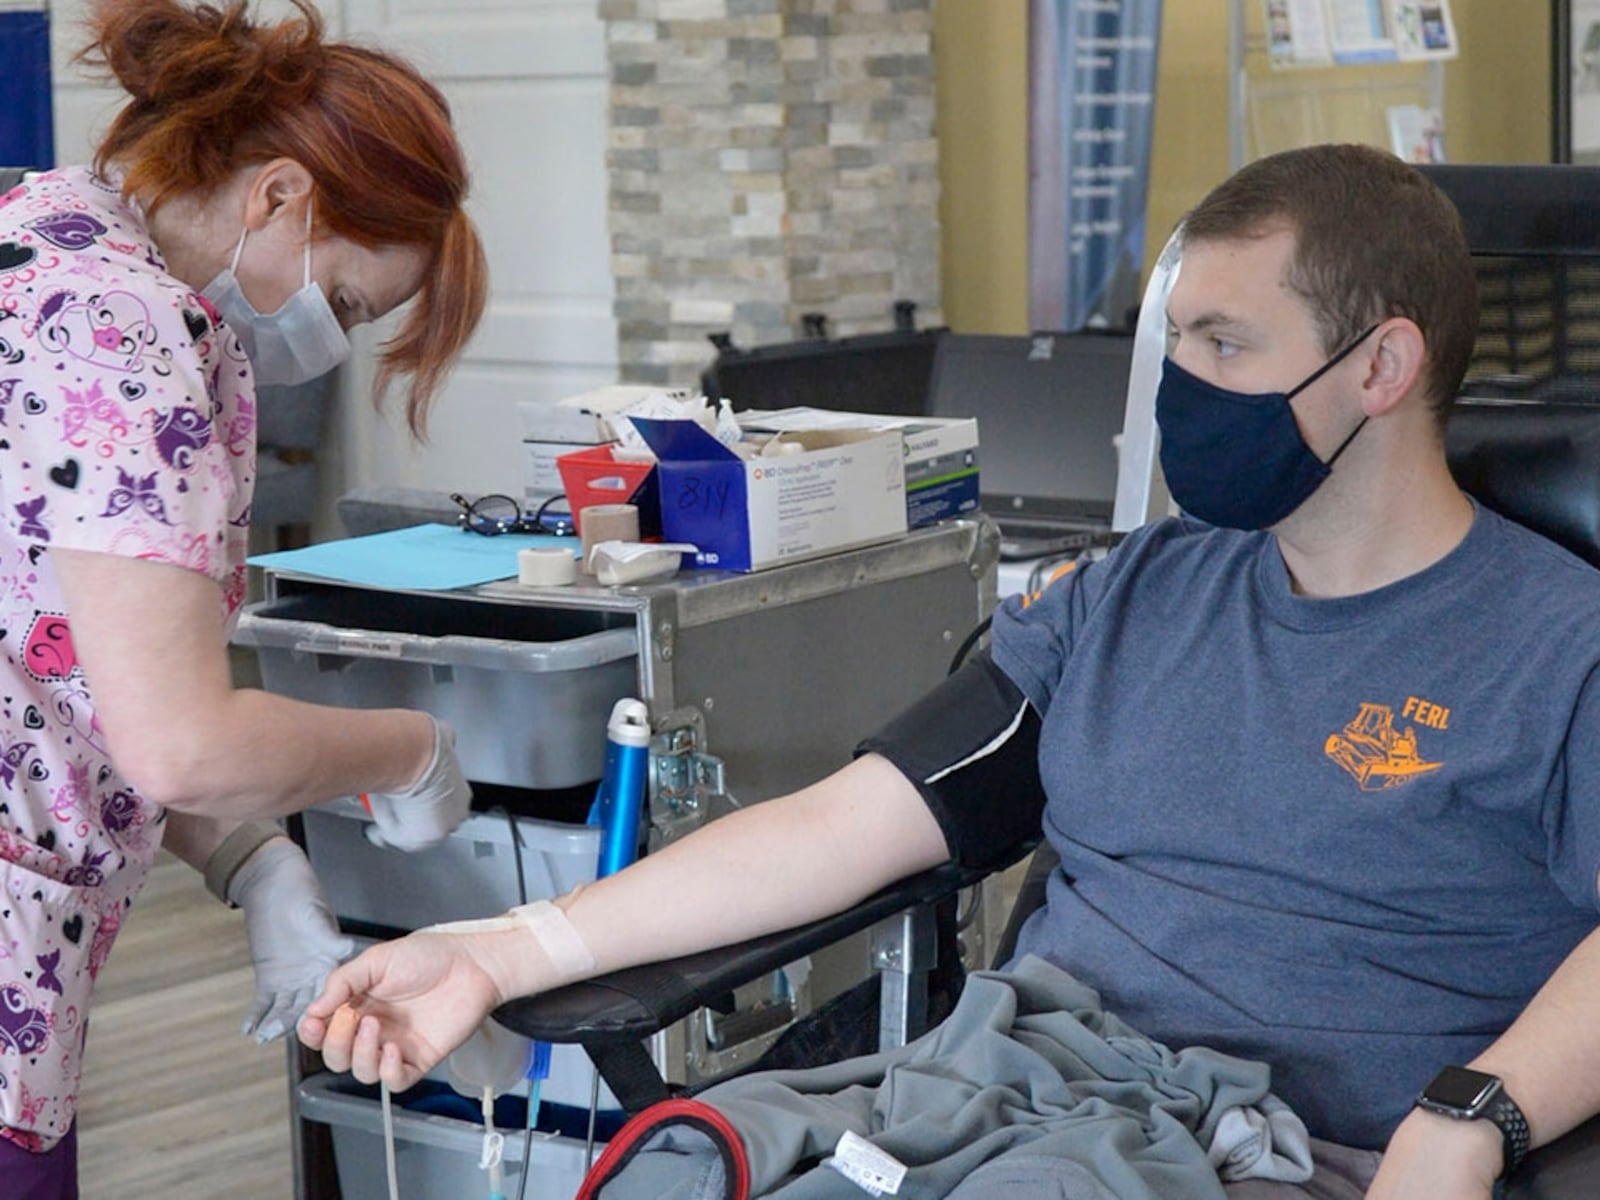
419,558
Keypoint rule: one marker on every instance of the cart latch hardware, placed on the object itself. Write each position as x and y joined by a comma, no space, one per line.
685,783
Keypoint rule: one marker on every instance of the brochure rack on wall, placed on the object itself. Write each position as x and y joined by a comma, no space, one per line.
1343,92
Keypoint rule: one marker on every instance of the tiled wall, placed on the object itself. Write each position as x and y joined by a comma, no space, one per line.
768,158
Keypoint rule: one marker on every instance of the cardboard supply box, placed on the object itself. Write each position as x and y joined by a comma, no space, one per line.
844,488
581,420
941,454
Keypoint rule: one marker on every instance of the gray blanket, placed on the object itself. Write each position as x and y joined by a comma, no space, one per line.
1029,1089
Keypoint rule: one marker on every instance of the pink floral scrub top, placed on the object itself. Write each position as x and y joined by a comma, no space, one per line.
127,426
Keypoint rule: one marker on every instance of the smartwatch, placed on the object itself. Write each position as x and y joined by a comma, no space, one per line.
1468,1095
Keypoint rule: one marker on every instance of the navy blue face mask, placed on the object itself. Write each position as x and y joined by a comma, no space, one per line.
1235,459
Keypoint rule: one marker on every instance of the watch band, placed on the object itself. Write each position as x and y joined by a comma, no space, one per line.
1505,1113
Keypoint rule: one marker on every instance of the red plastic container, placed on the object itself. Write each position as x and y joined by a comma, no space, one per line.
593,476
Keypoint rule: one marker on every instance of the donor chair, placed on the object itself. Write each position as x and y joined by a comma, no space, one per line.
1524,440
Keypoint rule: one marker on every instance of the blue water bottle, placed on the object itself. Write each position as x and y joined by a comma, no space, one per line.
620,799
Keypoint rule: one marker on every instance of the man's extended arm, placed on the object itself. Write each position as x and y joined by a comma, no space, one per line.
957,774
399,1008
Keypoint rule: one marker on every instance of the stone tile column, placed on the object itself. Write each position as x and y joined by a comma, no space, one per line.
767,158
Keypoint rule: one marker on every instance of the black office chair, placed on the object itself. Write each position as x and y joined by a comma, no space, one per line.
1525,440
885,372
1534,232
1525,437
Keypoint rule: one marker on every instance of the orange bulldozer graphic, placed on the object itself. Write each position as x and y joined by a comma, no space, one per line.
1371,750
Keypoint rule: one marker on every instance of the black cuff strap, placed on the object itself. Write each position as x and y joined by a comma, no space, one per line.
971,749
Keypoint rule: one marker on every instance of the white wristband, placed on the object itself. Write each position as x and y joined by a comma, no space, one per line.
568,953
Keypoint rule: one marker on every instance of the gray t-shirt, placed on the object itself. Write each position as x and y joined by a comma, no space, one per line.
1349,837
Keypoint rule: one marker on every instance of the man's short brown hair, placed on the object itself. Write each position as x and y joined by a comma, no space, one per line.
1373,239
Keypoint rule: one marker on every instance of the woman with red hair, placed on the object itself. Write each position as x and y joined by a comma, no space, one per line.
262,191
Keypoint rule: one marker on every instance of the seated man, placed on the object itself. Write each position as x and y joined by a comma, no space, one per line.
1319,758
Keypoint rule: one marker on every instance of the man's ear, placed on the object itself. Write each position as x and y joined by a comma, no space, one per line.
1396,365
281,187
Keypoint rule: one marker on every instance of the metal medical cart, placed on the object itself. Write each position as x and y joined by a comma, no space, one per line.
756,684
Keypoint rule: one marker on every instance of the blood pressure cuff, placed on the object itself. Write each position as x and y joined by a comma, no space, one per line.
971,748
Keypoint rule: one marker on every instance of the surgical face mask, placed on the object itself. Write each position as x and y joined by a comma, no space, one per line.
1235,459
298,342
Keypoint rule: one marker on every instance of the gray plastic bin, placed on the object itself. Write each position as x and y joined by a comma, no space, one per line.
527,690
436,1157
472,873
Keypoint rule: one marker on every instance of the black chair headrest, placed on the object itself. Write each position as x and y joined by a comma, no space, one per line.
1524,208
1536,463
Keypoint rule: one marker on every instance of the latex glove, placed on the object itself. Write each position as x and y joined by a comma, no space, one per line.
294,937
424,814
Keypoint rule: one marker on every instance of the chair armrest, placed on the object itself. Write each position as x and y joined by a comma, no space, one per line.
1565,1169
634,1003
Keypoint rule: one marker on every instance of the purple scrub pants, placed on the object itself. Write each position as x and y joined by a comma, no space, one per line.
50,1176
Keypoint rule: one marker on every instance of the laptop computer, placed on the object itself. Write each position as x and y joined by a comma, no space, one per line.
1048,407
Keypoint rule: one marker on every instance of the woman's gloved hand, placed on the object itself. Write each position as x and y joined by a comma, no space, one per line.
294,937
425,813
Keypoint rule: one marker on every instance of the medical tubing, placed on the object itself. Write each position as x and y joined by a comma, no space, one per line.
493,1147
387,1103
539,1066
619,803
594,1106
538,1072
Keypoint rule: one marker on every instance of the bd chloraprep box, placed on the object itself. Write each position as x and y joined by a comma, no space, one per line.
840,488
941,454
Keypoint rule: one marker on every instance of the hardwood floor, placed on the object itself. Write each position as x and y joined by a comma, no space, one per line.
176,1104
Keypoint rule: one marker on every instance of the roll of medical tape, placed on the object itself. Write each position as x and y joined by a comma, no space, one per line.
607,523
546,567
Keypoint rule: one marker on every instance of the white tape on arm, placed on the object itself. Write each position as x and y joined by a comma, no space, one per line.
557,937
568,953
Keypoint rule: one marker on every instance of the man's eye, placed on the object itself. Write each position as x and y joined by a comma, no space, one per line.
1224,348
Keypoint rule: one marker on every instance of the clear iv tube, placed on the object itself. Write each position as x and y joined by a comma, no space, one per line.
493,1148
388,1141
